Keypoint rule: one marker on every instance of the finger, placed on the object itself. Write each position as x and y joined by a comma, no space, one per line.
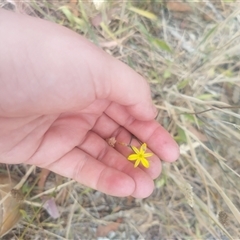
57,146
128,88
52,77
155,166
99,149
92,173
59,57
106,128
151,132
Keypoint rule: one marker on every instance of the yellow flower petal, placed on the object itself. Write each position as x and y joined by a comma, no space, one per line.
148,154
135,149
145,163
143,147
137,163
133,157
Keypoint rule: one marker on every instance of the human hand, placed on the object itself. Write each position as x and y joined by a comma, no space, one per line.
61,97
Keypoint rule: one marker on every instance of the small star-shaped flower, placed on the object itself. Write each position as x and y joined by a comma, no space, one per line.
140,156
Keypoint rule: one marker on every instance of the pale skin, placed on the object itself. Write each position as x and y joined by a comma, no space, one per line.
61,97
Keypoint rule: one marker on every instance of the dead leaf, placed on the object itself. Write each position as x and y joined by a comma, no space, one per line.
42,179
51,207
116,209
110,15
97,20
197,133
62,196
223,218
112,44
236,94
73,6
208,17
103,230
178,7
143,13
130,200
99,4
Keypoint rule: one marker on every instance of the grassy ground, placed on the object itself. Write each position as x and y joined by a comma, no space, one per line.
190,54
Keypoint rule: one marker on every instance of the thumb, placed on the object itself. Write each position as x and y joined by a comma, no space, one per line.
69,71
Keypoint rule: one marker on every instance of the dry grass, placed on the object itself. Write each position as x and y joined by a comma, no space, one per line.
191,59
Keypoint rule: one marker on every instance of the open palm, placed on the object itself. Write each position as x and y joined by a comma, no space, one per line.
64,98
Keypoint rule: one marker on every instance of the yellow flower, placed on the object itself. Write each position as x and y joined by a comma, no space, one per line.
140,156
